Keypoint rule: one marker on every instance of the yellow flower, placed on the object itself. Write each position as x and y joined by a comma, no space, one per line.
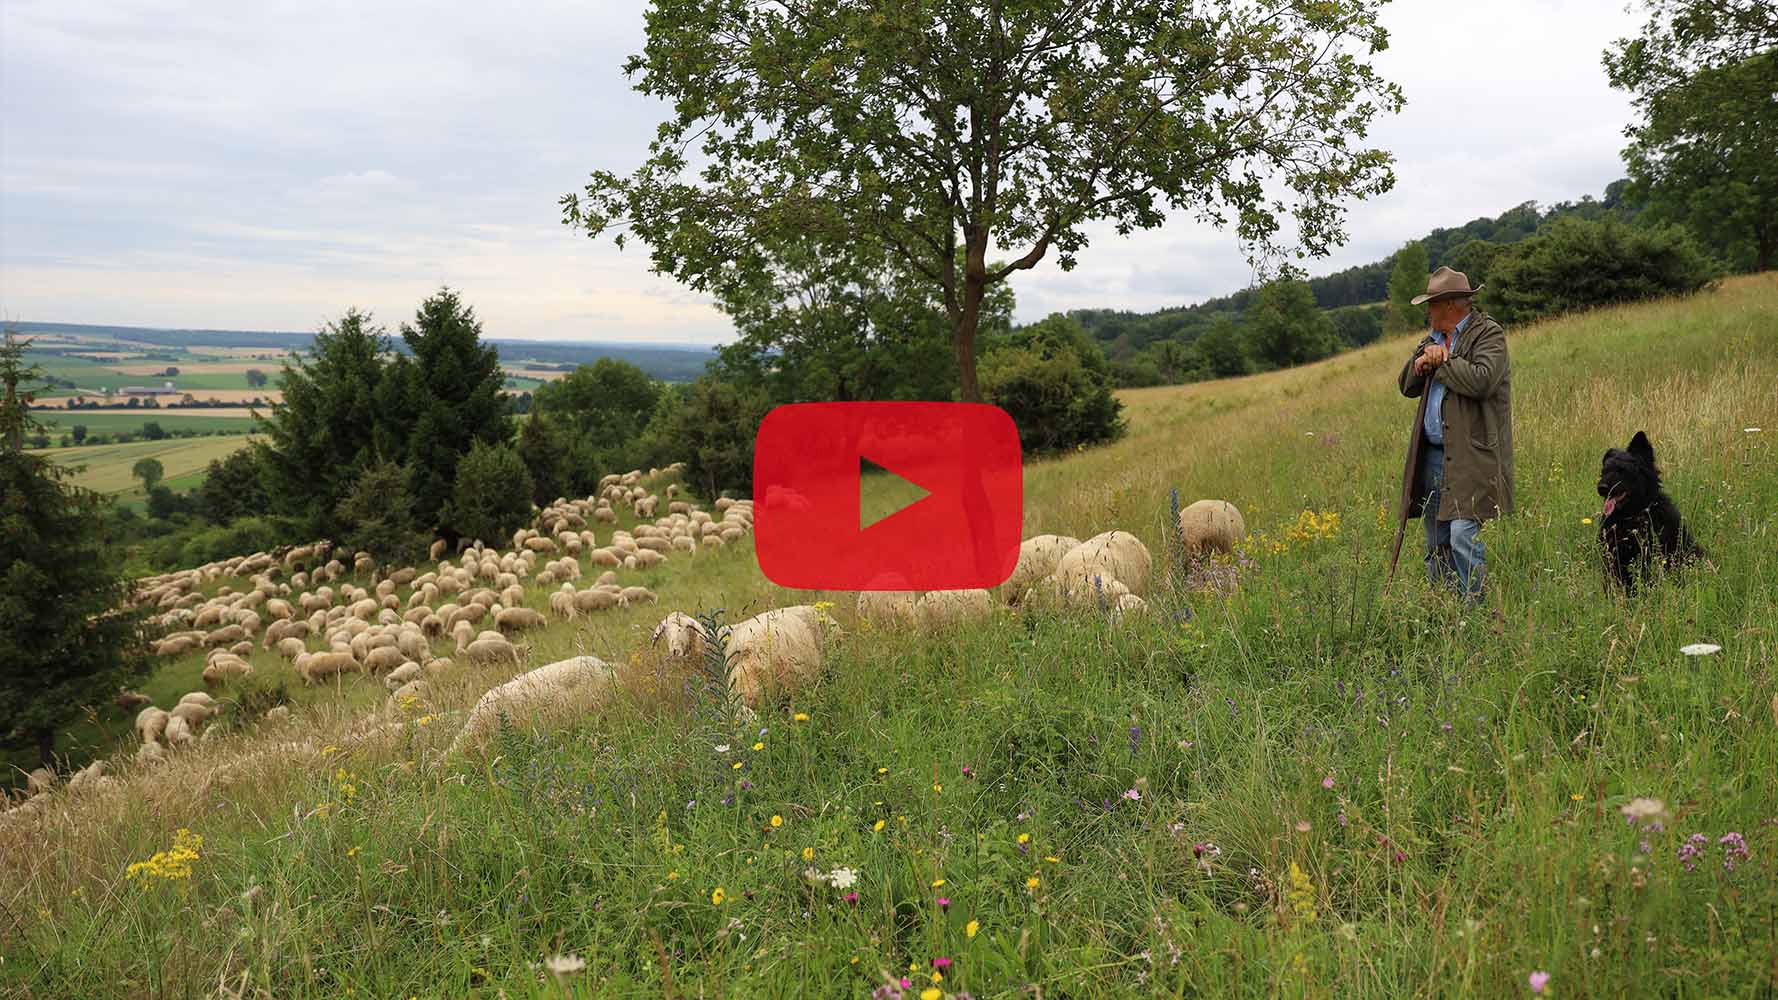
938,883
1033,882
808,854
174,863
932,993
672,875
352,852
970,928
736,766
879,824
937,789
1301,894
882,770
717,896
777,821
1024,838
937,977
801,717
1586,520
1575,797
759,746
1052,859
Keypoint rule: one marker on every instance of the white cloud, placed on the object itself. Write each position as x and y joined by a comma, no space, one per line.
201,163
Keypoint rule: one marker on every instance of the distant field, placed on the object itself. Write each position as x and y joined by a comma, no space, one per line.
108,466
112,421
86,374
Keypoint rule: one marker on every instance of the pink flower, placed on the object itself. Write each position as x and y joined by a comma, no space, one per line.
944,902
906,982
1327,782
941,963
1538,980
852,897
1133,795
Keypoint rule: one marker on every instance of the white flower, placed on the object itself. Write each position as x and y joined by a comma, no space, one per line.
1700,649
722,748
1640,809
842,878
1750,430
563,966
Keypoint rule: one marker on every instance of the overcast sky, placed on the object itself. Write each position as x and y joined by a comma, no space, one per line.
265,165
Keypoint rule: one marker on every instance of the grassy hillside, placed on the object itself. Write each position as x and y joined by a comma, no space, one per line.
1314,786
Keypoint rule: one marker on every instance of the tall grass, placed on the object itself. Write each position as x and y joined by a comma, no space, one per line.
1315,785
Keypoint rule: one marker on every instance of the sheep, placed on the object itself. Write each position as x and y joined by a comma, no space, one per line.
605,578
635,595
414,691
775,652
491,648
178,731
684,636
595,600
150,753
603,557
885,607
312,667
130,701
556,692
518,619
224,669
151,722
401,675
383,658
940,608
86,776
1211,526
436,549
1038,556
203,698
39,781
228,635
1112,555
193,713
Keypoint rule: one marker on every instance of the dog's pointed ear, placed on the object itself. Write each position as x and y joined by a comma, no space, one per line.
1640,447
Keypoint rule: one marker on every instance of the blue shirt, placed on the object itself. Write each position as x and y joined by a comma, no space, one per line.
1435,390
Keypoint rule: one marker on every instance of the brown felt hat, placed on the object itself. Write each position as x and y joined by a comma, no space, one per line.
1445,283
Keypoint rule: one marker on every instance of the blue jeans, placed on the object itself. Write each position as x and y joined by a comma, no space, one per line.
1454,555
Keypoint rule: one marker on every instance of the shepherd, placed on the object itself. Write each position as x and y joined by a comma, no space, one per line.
1459,471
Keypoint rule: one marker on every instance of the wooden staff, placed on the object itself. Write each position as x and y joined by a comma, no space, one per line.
1407,478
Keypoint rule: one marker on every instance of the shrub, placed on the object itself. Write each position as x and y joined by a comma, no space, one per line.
491,495
1576,264
378,516
1055,383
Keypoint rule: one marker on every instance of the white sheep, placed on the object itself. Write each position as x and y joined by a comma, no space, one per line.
1112,555
776,652
1038,557
680,637
554,693
943,608
1211,526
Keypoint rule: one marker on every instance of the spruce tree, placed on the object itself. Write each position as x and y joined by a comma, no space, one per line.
65,639
491,496
454,391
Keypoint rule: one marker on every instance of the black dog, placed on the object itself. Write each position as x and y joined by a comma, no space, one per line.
1640,522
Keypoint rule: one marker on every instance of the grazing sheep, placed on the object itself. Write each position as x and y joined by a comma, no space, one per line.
1112,555
518,619
88,775
193,713
595,600
151,722
39,781
555,693
224,669
203,698
1211,526
887,607
401,675
312,667
636,595
383,658
150,753
414,690
1038,557
942,608
130,701
492,648
178,731
776,652
681,637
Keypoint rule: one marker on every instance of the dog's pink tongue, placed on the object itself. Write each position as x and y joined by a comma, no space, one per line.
1610,503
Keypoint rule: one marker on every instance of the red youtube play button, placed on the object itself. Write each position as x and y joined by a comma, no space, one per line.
964,533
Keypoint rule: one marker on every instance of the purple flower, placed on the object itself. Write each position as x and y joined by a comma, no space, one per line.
1135,738
1133,795
944,903
1327,782
1538,980
1693,849
941,963
968,772
1734,850
851,897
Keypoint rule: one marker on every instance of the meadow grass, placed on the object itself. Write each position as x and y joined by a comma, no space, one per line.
1311,785
112,421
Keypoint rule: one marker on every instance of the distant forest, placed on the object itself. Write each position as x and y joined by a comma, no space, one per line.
1348,295
669,364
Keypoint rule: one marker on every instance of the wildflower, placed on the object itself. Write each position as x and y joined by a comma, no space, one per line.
851,897
970,929
717,896
174,863
1691,850
882,770
1024,838
1576,797
1700,649
777,821
564,966
1642,811
352,852
1538,980
759,746
937,883
1734,850
842,878
671,876
932,993
1327,782
1586,520
944,903
879,824
801,717
736,766
1133,795
722,748
1301,894
1052,859
1033,882
937,789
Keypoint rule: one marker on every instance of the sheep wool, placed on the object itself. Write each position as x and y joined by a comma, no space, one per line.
887,607
555,693
1211,526
1113,555
943,608
1038,558
776,652
680,636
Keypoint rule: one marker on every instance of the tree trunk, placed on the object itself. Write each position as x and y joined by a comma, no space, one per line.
1768,242
46,746
975,288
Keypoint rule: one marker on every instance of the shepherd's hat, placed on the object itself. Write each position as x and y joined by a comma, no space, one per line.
1445,283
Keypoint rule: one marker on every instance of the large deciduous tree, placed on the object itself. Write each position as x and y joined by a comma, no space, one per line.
1703,75
936,135
1407,280
65,640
